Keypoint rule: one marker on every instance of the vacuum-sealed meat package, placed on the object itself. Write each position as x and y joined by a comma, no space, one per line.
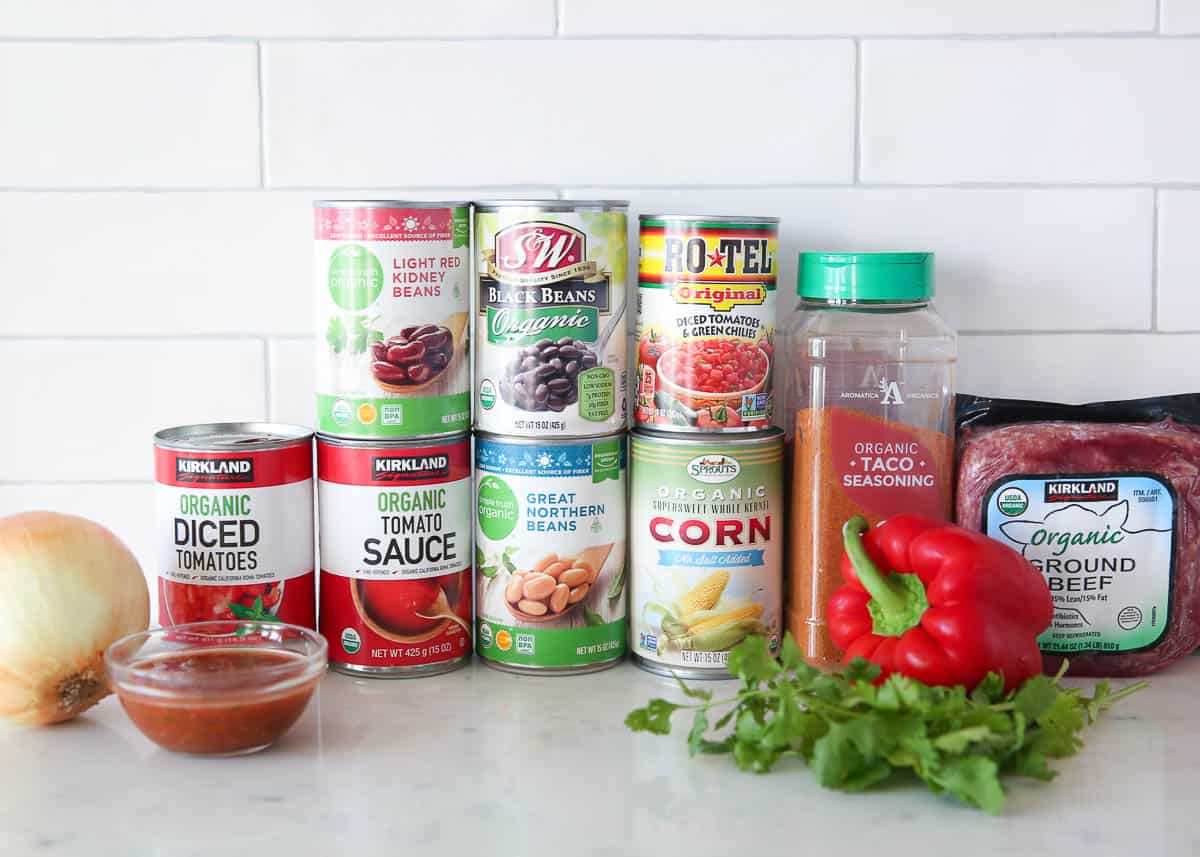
1104,499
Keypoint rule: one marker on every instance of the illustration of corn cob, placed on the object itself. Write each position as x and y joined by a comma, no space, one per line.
705,594
701,620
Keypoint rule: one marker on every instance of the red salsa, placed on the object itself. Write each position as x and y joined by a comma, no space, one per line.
243,698
715,365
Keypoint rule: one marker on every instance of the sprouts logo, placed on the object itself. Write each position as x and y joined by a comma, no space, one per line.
409,468
713,469
222,471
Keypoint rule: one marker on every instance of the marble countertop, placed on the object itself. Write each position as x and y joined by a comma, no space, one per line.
478,762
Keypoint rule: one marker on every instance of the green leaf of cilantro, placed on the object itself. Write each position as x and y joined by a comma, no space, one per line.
855,734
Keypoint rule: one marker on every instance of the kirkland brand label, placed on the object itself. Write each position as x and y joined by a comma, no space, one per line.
550,552
1105,544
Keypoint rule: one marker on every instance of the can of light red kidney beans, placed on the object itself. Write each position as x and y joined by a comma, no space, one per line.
233,507
705,323
706,548
393,293
550,339
550,552
395,542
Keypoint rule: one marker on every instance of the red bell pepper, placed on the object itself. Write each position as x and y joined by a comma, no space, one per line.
941,604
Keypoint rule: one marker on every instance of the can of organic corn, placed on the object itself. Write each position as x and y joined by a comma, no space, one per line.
706,548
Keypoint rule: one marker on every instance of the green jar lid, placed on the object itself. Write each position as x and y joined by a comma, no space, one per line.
887,277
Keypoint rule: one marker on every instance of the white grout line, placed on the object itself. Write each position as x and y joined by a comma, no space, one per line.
262,118
608,37
534,187
858,109
1158,16
1154,265
268,392
11,483
559,10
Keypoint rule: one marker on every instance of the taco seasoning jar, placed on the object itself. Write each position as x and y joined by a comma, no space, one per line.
871,396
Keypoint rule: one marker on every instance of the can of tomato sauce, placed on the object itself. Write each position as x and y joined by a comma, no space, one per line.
705,323
233,507
395,554
706,548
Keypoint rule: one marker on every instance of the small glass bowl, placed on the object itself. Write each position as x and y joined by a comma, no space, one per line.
222,687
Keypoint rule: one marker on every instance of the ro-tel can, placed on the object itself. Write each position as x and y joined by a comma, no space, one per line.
395,554
550,339
706,323
393,295
233,508
550,552
706,521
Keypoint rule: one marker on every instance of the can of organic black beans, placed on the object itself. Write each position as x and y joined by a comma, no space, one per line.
395,541
233,507
550,341
705,323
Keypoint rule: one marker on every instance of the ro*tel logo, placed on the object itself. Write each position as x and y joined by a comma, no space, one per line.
537,248
409,468
214,470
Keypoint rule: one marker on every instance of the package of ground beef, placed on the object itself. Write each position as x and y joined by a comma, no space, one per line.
1104,500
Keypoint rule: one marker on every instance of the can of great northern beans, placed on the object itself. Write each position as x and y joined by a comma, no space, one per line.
705,323
550,552
550,339
393,295
233,507
706,549
395,554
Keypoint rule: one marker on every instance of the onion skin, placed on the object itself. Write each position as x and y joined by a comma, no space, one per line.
68,589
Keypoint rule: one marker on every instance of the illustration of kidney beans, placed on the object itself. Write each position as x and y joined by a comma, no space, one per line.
414,356
544,376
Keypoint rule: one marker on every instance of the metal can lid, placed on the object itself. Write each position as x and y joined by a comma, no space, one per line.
702,219
386,443
546,440
553,204
231,437
770,434
387,203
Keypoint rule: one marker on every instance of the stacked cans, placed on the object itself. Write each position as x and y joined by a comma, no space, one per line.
393,398
551,407
706,501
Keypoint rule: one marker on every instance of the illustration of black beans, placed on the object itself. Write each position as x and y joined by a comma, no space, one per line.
559,385
572,396
548,353
566,340
571,369
541,392
528,362
588,360
542,376
568,352
542,373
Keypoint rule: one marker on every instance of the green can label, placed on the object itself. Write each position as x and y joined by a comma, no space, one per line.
393,289
550,352
1105,544
550,552
706,548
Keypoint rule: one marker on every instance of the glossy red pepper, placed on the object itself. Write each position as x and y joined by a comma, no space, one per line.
941,604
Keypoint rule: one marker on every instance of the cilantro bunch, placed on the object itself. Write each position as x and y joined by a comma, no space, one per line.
855,734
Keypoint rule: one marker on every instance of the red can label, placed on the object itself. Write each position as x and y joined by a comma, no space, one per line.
237,535
395,552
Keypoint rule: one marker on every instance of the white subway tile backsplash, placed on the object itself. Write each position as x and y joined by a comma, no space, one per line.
85,410
110,115
864,17
557,111
292,379
1019,260
1061,111
1179,260
125,509
275,18
1181,16
1078,367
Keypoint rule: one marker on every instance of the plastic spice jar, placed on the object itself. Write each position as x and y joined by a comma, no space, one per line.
869,402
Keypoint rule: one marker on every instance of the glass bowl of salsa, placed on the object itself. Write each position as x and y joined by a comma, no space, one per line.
221,687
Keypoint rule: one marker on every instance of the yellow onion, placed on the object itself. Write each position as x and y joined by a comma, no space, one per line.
68,588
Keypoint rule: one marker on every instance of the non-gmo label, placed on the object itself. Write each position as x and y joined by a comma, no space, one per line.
1105,545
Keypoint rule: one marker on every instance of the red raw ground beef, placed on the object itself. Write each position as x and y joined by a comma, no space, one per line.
1166,448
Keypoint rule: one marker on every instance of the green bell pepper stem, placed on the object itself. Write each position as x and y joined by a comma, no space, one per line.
891,598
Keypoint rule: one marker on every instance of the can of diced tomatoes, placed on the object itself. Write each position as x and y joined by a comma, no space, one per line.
395,535
393,296
706,548
550,552
233,506
705,323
